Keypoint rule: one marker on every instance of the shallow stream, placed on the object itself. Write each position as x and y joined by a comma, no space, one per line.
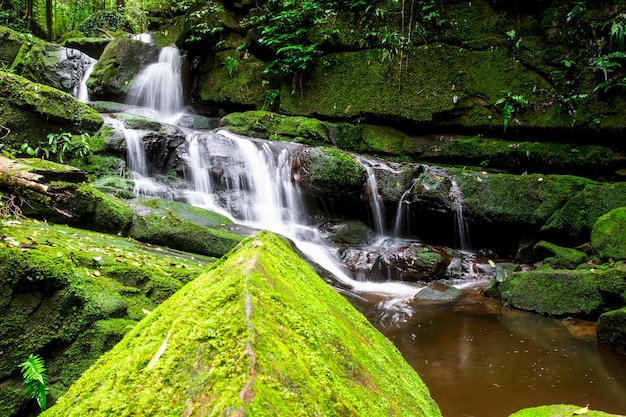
481,359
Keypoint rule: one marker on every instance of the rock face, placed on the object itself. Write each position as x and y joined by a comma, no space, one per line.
258,334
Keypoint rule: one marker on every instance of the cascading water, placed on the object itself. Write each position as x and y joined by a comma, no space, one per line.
81,92
374,198
159,87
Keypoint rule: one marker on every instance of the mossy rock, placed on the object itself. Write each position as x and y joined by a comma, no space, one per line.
172,231
518,156
234,81
70,294
439,292
608,236
259,334
32,111
83,206
577,217
94,47
559,257
560,410
330,172
274,126
188,212
611,328
562,292
351,232
384,140
118,66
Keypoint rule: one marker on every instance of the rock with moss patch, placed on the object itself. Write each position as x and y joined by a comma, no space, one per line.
611,328
32,111
274,126
439,292
608,236
172,231
564,292
118,66
216,346
330,172
559,257
350,232
560,410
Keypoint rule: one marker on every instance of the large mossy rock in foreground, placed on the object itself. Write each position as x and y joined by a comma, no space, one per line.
259,334
611,328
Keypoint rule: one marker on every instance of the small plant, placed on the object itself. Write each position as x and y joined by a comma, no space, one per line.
510,104
273,98
232,64
606,64
59,145
35,381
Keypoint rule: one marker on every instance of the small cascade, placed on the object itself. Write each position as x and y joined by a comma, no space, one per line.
373,196
455,201
143,37
81,92
460,223
159,87
401,221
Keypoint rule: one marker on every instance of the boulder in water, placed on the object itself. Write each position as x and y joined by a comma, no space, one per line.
608,236
611,328
258,334
438,291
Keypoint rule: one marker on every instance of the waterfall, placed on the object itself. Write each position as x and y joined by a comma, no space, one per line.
81,92
159,87
401,220
374,198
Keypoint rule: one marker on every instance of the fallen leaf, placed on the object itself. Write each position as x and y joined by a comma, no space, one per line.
581,411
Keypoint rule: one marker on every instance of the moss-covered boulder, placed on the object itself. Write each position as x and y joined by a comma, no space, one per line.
258,334
608,236
32,111
330,172
169,230
559,257
69,295
273,126
439,292
119,64
564,292
561,410
352,232
611,328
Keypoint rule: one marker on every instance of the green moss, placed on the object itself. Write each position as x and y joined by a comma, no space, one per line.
34,110
577,217
386,140
56,282
273,126
197,215
559,257
611,328
554,292
558,410
608,236
258,334
244,86
174,232
331,172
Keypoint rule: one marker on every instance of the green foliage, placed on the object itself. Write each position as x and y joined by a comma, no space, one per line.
607,64
60,145
106,20
510,104
200,22
35,381
232,64
618,34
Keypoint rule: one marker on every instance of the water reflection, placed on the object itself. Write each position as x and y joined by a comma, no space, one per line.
480,359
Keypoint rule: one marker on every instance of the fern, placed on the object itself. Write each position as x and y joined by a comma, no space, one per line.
35,382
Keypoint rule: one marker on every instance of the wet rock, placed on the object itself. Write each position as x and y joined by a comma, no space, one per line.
439,292
233,308
352,232
608,236
611,328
